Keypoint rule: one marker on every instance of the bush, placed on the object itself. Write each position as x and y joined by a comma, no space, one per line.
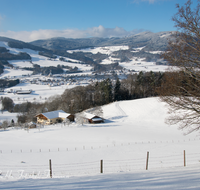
7,104
21,118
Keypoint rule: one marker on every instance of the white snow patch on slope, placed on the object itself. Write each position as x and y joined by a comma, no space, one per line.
14,73
104,50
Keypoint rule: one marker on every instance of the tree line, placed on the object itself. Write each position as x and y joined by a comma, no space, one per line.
84,97
8,83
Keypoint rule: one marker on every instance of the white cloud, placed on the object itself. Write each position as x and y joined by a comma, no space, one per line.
99,31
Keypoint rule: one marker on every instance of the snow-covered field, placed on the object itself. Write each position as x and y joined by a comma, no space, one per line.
14,74
132,129
175,179
104,50
141,65
136,64
40,93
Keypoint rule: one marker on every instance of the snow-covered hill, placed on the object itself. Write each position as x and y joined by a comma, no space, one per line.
152,41
132,129
135,63
17,71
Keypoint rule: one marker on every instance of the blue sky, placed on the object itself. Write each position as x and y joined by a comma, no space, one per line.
30,20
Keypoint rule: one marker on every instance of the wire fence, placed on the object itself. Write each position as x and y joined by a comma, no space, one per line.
55,170
78,148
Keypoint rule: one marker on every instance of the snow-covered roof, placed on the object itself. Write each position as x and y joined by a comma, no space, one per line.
91,116
88,115
97,119
55,114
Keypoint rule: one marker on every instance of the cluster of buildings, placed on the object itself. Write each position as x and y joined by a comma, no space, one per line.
59,116
57,81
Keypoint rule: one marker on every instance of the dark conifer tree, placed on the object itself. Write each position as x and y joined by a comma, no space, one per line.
117,95
108,90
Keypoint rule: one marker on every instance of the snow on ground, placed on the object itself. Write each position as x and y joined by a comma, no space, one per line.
6,116
109,60
132,129
104,50
40,93
14,73
176,179
137,64
138,49
156,52
45,62
141,65
21,63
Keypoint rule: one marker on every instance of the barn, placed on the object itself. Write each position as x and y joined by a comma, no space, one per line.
93,118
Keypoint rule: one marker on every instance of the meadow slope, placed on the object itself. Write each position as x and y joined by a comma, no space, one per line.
132,129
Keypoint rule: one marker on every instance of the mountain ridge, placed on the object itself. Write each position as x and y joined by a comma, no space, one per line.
153,41
142,47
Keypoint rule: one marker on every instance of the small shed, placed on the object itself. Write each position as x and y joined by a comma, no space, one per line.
54,117
32,125
93,118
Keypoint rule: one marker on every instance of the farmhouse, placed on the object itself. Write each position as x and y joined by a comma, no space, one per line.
23,91
93,118
53,117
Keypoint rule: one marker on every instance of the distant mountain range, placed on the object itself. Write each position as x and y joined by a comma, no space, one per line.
151,41
144,46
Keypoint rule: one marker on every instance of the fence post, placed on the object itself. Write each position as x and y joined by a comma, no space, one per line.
184,158
147,161
101,166
50,168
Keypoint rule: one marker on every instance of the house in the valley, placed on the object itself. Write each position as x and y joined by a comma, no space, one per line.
23,91
91,118
54,117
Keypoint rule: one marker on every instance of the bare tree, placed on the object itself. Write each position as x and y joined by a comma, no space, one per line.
97,111
181,87
5,124
66,122
80,118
